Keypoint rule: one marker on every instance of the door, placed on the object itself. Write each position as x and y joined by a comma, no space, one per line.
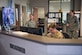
24,16
17,16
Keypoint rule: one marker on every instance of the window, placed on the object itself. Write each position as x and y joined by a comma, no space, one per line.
55,5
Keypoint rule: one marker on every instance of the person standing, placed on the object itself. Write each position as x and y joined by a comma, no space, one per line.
72,25
31,22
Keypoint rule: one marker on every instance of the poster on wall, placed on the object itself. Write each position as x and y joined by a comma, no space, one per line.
7,17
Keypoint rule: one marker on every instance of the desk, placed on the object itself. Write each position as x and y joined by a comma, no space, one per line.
37,45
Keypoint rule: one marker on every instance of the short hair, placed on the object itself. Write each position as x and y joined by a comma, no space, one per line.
32,14
52,25
72,11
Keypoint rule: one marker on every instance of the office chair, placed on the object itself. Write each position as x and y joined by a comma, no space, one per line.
66,35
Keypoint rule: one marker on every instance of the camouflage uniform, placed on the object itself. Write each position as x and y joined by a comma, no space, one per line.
31,23
57,35
73,26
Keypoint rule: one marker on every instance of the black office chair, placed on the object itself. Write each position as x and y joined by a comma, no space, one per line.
66,36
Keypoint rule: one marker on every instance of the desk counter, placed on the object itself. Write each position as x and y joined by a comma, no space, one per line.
21,43
41,39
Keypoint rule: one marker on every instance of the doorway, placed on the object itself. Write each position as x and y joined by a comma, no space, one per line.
17,15
39,17
24,16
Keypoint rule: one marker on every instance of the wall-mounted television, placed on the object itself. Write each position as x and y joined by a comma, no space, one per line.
7,17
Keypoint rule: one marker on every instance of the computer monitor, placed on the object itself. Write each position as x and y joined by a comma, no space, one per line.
41,20
37,31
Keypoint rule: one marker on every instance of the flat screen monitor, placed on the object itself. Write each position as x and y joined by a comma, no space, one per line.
41,20
37,31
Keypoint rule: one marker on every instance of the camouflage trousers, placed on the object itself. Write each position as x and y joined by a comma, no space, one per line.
72,33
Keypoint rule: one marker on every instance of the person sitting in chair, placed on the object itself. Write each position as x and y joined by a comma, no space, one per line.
53,32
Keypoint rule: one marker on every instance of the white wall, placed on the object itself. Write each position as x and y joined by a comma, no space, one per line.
81,21
3,3
40,3
41,13
21,2
77,5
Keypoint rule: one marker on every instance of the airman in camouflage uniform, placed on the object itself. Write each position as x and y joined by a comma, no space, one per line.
54,33
31,22
72,25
